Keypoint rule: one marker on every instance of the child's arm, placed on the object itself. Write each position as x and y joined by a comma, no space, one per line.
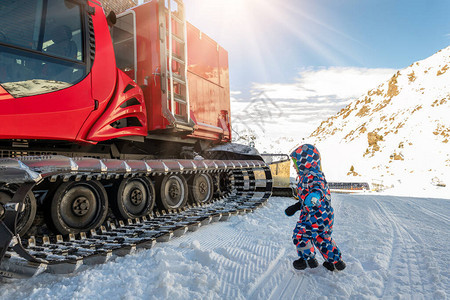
291,210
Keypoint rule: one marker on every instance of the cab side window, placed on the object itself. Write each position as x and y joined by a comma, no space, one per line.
41,46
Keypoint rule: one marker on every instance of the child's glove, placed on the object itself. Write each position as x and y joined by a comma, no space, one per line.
312,199
291,210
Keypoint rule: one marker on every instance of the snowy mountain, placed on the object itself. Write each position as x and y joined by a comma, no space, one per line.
397,132
395,135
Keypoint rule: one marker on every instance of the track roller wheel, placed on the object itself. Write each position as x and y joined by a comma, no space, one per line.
173,192
222,184
134,198
200,188
27,214
78,206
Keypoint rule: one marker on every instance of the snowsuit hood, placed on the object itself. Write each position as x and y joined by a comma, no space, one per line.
307,162
306,159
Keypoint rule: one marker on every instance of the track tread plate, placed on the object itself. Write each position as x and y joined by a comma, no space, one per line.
99,246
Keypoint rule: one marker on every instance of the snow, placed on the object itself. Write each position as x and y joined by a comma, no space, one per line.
34,87
394,247
235,148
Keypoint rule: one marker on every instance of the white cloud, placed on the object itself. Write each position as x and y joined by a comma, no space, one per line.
323,83
297,109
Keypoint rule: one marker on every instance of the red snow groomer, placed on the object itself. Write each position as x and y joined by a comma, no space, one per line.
114,133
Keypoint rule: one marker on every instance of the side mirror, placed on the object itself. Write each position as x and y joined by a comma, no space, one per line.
111,19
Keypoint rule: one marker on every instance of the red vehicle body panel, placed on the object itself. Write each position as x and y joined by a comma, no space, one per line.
58,115
148,62
208,77
85,111
71,113
127,102
107,79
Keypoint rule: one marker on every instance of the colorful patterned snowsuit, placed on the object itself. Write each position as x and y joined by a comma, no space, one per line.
316,223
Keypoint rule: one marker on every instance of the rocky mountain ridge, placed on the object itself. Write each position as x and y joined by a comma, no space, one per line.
397,130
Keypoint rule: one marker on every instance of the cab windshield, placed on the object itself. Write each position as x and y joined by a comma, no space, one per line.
41,46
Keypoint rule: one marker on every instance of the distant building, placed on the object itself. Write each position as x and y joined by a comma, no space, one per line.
118,6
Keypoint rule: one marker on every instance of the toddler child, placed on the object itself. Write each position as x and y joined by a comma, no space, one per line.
315,225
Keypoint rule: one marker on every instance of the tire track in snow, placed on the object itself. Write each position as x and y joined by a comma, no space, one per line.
297,288
236,254
281,290
393,236
426,263
396,255
236,270
268,275
407,257
249,252
268,258
432,217
243,259
444,218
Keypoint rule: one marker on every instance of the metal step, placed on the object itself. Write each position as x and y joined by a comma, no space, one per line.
178,99
176,35
178,39
177,19
178,59
179,79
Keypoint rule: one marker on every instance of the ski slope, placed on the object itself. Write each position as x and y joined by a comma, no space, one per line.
394,247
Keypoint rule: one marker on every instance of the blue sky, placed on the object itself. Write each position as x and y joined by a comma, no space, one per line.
304,60
275,41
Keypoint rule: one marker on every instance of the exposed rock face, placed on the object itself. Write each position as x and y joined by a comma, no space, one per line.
400,127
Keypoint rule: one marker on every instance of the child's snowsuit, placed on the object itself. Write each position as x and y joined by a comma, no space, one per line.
316,223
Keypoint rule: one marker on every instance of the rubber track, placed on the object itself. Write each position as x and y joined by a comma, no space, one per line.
65,255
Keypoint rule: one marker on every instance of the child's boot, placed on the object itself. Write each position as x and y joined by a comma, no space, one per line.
328,265
313,263
340,265
299,264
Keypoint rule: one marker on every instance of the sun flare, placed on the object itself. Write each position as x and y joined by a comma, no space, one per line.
262,30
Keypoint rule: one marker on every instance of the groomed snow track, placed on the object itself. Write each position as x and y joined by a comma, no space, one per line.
250,188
